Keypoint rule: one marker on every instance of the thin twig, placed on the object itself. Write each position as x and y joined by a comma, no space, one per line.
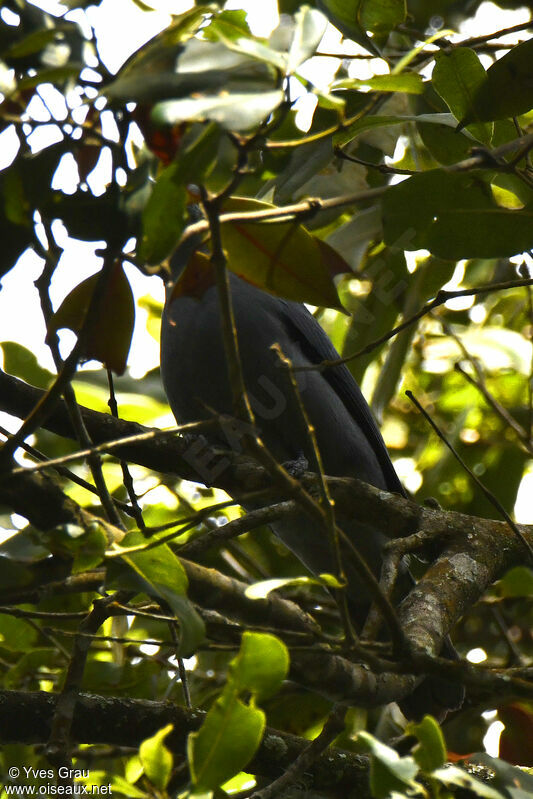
524,271
489,495
332,728
108,447
441,298
326,501
136,510
497,407
59,743
49,399
241,403
84,439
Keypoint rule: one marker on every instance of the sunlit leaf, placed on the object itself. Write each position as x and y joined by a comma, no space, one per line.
22,362
263,588
431,750
157,57
158,572
370,122
261,665
235,111
308,31
156,759
232,730
226,742
388,771
408,82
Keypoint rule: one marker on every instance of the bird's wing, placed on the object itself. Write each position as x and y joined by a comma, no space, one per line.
317,347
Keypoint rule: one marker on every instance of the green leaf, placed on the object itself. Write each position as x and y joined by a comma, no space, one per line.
344,15
55,75
516,582
457,77
226,742
408,82
156,759
282,257
488,233
88,217
388,771
107,337
158,572
410,208
121,786
454,777
201,70
371,122
228,25
375,313
258,51
507,90
16,635
354,17
22,362
237,111
34,42
431,750
447,146
31,662
454,216
232,731
15,228
381,16
513,780
164,215
86,547
261,665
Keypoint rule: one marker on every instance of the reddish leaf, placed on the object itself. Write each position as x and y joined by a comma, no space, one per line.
107,337
282,258
196,278
516,741
163,140
86,159
332,259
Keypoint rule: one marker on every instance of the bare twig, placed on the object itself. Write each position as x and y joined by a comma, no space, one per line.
332,728
136,510
441,298
489,495
326,501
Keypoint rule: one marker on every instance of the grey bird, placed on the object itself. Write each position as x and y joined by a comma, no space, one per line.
195,378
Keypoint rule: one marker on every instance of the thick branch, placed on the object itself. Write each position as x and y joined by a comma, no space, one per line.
476,551
26,718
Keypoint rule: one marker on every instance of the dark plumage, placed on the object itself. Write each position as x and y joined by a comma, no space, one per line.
194,374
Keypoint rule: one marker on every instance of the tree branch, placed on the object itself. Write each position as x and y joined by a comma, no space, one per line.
26,718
